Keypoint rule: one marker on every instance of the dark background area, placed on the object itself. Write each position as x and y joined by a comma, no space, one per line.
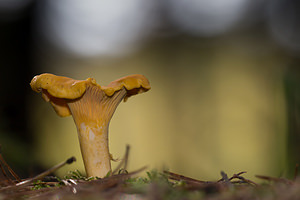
23,43
16,62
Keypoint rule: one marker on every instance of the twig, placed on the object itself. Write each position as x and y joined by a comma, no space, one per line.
296,171
124,161
126,156
47,172
269,178
178,177
4,174
238,176
8,167
137,171
224,177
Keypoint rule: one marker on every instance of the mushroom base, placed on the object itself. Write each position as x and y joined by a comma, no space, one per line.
94,149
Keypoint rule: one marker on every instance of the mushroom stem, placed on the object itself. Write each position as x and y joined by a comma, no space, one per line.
92,113
94,150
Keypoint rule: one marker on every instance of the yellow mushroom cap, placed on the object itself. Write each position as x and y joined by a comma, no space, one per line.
134,84
56,89
59,86
59,90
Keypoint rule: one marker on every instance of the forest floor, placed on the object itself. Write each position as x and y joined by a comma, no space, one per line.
156,185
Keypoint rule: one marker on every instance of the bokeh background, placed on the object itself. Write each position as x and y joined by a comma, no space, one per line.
224,73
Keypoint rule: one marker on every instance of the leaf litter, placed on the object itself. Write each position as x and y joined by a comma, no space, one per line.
121,184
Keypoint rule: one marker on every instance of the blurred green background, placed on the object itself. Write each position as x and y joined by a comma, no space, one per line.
224,74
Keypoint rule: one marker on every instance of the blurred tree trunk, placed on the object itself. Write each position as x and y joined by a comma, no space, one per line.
292,86
15,64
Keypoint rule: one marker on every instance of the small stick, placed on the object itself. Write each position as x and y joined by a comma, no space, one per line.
225,177
269,178
4,174
8,167
126,157
137,171
178,177
47,172
123,161
238,176
296,171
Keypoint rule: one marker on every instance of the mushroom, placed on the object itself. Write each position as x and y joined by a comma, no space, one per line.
91,107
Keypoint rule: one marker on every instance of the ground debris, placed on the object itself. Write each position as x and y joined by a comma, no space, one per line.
55,188
73,186
156,185
121,184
